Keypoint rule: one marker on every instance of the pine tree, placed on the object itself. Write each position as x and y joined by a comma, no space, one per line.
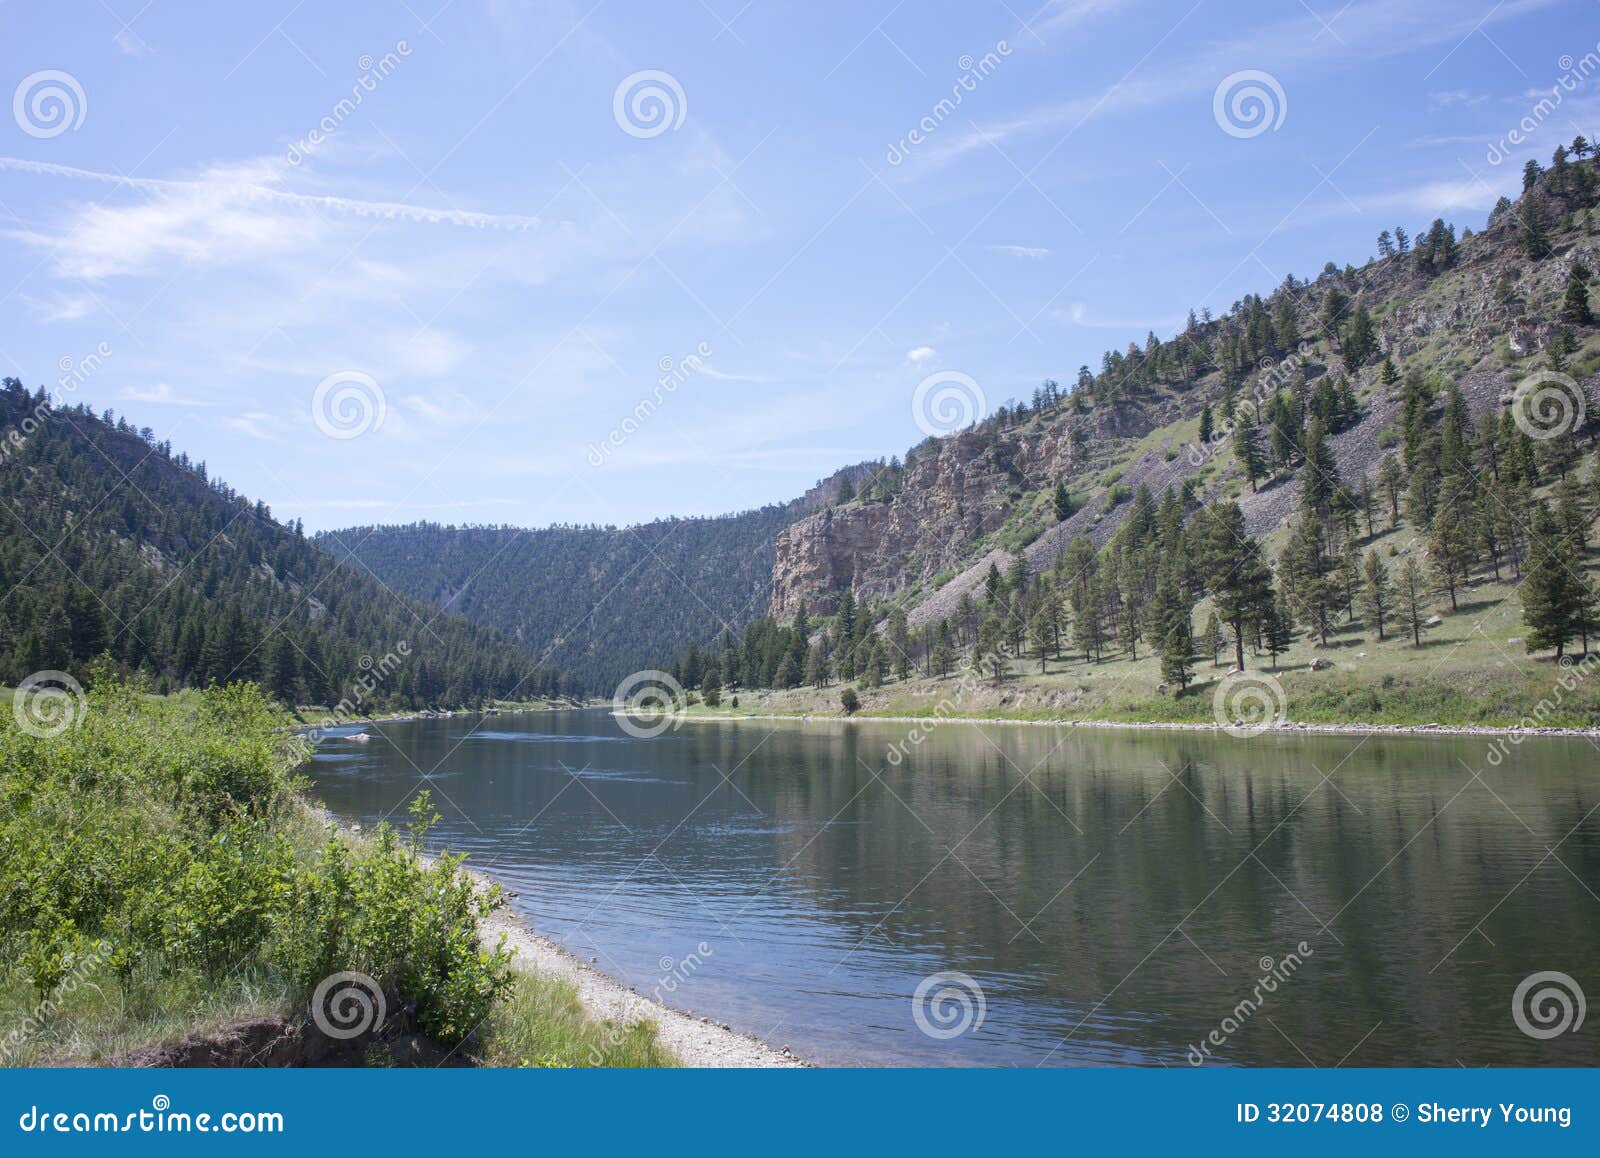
1246,449
1277,628
1231,566
1575,304
1360,340
1213,638
283,669
1063,502
1413,593
1206,425
1175,657
1377,592
1553,595
1391,479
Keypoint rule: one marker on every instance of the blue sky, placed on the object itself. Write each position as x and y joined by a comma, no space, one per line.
509,252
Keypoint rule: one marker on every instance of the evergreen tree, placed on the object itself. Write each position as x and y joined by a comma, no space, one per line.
1553,594
1377,592
1063,502
1231,565
1575,304
1391,479
1175,657
1413,594
283,669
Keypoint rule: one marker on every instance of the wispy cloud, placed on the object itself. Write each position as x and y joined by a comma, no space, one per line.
1034,252
1367,31
158,394
244,184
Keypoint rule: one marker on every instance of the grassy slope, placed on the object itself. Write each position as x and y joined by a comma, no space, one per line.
1468,671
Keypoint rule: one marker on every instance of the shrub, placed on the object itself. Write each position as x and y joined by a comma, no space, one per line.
849,701
168,835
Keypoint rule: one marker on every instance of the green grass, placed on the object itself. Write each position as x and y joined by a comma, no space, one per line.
544,1025
162,875
1471,670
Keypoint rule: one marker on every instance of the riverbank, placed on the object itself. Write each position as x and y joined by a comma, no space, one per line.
1282,727
313,718
694,1041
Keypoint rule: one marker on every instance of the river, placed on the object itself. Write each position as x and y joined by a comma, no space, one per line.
1015,895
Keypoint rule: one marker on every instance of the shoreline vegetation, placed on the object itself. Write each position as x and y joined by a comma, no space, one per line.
169,896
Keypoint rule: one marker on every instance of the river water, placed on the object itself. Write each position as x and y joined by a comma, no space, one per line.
1015,895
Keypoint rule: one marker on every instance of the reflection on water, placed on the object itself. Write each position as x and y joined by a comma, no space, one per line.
1117,896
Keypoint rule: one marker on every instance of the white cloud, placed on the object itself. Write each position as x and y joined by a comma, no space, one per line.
1068,14
1367,31
1035,252
59,307
158,394
1454,97
258,424
920,354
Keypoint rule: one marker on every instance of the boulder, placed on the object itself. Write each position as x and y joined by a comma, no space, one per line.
1321,663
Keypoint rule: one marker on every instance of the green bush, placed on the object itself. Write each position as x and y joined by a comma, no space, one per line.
169,836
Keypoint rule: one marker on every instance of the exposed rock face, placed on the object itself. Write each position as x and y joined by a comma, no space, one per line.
964,488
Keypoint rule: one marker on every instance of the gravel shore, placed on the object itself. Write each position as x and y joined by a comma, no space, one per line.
697,1041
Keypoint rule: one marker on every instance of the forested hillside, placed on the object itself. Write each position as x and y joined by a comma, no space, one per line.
1367,452
597,602
115,544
